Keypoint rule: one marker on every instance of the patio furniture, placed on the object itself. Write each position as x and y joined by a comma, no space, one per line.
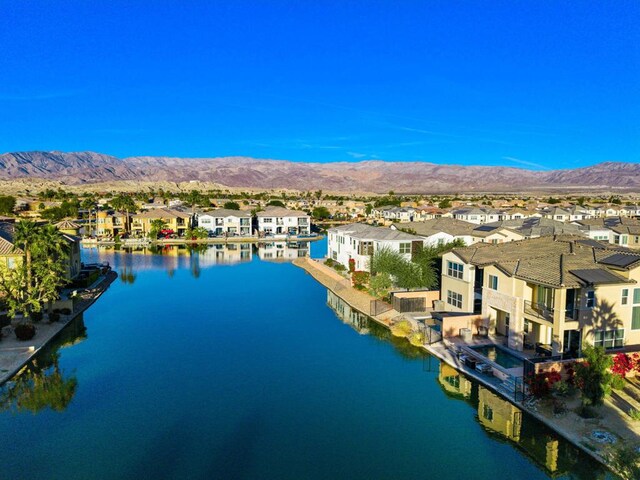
483,331
469,361
543,350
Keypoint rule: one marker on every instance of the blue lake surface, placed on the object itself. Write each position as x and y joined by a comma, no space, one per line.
212,365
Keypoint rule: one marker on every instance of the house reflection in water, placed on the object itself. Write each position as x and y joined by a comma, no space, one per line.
359,321
506,421
224,254
282,251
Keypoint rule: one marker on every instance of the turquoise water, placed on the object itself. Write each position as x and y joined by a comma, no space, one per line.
202,367
499,356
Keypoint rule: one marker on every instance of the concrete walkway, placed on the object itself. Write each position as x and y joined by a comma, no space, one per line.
15,354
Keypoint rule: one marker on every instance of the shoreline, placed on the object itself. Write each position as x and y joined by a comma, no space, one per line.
344,291
11,363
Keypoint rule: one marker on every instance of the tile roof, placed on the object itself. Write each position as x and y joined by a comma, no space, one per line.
554,261
162,213
369,232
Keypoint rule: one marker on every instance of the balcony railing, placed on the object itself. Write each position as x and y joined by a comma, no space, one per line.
539,310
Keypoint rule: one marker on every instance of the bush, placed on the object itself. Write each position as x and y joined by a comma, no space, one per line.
54,317
622,364
559,407
592,375
634,414
541,383
36,316
416,339
561,388
25,331
360,279
618,382
402,329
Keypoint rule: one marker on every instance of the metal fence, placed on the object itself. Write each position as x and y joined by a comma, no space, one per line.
378,307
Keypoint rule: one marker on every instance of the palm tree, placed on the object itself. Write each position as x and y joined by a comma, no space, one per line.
24,236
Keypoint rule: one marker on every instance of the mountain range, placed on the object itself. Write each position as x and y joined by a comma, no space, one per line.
366,176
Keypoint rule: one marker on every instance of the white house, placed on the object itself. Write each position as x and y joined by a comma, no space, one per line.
477,215
359,242
226,222
281,221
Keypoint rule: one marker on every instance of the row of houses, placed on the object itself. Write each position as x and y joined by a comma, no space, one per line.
558,290
218,222
482,215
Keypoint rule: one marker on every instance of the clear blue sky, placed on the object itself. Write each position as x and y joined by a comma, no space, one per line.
540,84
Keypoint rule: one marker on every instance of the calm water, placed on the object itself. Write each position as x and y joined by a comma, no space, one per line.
218,365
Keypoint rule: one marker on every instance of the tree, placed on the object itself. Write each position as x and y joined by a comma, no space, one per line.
232,206
592,375
380,284
275,203
320,213
157,225
445,203
38,279
404,273
7,204
197,233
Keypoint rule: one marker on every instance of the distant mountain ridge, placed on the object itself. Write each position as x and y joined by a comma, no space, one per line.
372,176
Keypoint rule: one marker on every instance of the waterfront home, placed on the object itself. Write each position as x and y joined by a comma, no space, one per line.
282,221
358,242
109,223
620,231
175,220
227,222
10,255
557,292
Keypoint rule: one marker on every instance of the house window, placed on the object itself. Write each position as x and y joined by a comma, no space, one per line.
453,380
405,247
454,269
635,318
487,412
636,296
609,338
493,282
625,296
454,299
267,220
591,299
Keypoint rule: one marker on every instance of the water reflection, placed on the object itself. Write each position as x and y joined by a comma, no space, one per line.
43,384
500,419
194,258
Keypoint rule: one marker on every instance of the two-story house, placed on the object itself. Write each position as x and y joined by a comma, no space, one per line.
175,220
358,242
226,222
110,223
556,292
282,221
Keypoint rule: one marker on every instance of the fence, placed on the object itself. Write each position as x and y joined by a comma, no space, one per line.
378,307
409,304
431,335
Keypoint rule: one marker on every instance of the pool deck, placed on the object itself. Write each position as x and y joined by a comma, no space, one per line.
15,354
572,427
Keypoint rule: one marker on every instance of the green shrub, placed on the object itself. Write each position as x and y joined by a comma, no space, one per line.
329,262
25,331
617,382
416,338
401,329
561,388
634,414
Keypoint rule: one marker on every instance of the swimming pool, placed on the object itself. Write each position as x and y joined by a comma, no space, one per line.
499,356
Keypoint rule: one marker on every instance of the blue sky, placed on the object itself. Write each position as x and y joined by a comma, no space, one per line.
536,84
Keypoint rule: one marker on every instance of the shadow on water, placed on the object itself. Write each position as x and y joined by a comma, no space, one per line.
43,384
500,419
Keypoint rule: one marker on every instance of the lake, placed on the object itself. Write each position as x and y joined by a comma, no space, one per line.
235,364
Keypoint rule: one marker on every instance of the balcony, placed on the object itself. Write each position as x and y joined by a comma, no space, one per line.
538,310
